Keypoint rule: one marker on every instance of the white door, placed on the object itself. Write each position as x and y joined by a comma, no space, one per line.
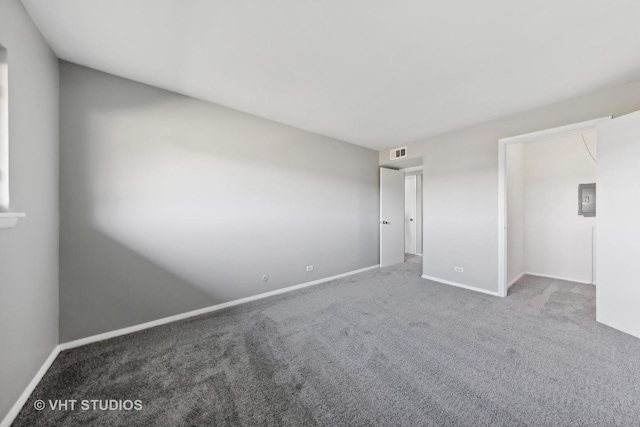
410,214
618,230
391,217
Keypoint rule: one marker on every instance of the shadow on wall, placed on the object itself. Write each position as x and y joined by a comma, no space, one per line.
122,287
171,204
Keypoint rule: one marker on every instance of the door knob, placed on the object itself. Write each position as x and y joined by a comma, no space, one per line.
410,219
384,222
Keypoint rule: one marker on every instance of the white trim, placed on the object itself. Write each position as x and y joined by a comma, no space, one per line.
631,331
557,131
10,219
165,320
549,276
15,409
502,218
412,169
459,285
516,279
593,254
502,182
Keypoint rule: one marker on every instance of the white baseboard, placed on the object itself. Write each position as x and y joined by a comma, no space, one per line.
165,320
15,409
460,285
518,277
631,331
549,276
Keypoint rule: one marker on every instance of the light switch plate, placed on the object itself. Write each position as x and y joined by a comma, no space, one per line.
587,200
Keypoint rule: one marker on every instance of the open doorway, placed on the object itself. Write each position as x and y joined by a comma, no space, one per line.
413,214
547,241
401,212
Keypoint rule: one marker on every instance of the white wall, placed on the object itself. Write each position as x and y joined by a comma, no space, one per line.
29,252
171,204
618,233
515,212
558,241
461,183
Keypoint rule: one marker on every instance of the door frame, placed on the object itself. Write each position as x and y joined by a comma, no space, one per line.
414,213
502,184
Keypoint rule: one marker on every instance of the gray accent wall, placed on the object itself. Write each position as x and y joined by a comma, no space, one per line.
29,251
171,204
461,183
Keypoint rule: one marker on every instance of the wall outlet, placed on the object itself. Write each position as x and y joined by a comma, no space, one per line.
265,278
459,269
309,267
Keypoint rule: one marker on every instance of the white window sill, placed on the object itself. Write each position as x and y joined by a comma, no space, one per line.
10,219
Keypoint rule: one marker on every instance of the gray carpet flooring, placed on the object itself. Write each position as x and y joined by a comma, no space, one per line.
382,348
412,258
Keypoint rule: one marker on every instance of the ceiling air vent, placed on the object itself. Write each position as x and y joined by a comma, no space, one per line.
398,153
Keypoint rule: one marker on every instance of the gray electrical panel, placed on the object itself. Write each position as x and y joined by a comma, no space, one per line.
587,199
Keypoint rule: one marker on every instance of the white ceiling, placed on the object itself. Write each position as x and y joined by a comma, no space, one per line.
371,72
